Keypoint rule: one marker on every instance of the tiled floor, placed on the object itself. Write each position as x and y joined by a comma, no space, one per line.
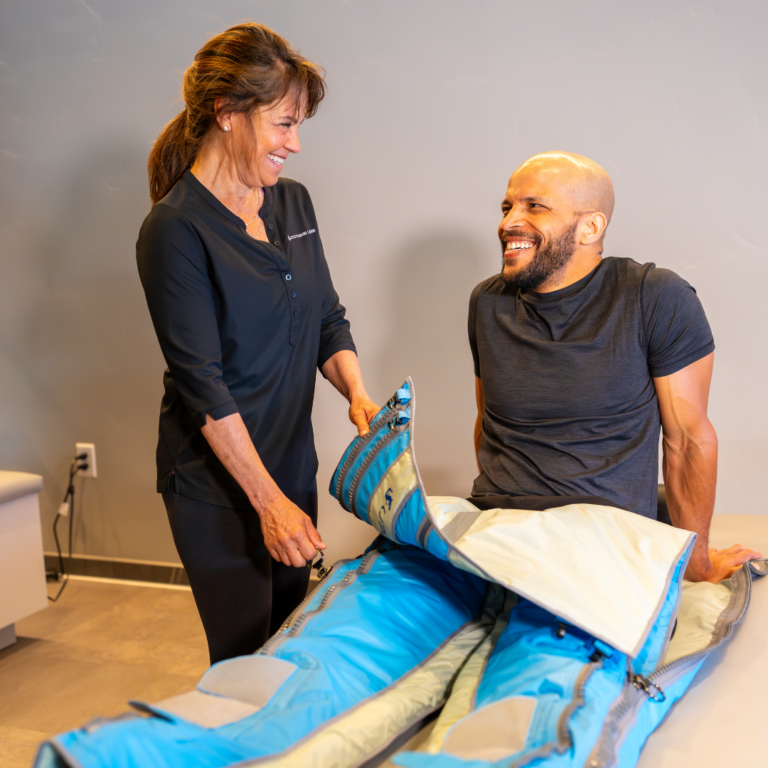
85,656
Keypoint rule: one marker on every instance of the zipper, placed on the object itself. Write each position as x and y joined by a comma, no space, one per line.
563,724
725,633
369,459
311,596
392,408
294,624
563,741
363,441
638,687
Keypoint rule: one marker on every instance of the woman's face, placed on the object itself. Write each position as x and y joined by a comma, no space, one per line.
261,143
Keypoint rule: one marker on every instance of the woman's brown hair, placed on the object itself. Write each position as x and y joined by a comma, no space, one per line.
248,66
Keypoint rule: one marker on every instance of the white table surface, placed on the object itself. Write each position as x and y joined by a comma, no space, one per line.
721,721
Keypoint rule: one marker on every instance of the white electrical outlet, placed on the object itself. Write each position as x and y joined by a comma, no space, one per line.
90,450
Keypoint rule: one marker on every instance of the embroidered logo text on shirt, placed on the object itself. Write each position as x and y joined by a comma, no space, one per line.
306,232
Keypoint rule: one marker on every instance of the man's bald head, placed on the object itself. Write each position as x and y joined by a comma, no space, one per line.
586,183
555,213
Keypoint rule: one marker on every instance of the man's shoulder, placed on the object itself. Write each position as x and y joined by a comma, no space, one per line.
491,285
647,275
625,270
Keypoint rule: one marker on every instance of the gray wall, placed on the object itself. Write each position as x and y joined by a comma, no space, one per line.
431,106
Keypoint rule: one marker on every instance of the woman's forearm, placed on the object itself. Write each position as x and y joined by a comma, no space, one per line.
343,371
288,532
230,441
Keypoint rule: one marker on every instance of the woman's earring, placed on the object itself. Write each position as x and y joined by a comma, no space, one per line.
226,127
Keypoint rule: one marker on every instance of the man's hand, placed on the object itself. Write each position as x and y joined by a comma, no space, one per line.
722,564
288,533
361,410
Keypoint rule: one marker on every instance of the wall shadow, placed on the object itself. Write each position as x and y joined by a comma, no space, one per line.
427,294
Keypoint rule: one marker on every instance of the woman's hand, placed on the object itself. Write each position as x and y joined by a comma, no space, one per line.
288,533
361,410
343,371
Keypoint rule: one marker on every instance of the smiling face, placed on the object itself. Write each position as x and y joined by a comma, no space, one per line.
260,143
539,226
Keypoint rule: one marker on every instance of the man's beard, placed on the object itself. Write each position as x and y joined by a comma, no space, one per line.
545,263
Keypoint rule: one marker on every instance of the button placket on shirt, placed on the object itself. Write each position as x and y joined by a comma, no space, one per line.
293,303
289,283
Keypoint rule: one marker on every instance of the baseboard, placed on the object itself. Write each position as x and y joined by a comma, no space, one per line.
120,568
123,569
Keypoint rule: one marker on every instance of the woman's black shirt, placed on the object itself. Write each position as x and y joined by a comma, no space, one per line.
242,325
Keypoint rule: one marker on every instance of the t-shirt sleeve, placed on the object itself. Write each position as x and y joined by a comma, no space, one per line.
174,274
676,328
472,327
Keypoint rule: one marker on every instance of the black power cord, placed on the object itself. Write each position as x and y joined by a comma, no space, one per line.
68,506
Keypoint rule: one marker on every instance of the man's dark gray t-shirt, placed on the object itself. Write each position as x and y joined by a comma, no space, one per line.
570,405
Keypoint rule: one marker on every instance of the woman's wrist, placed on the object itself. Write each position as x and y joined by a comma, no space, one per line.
264,495
357,393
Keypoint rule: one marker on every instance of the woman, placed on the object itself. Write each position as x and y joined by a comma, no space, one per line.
244,308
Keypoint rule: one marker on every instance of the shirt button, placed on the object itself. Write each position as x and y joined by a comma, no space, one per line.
288,277
295,312
270,226
277,243
294,294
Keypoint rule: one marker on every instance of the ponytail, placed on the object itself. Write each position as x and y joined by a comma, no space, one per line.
171,157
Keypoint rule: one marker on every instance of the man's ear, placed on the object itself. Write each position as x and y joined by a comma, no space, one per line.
593,228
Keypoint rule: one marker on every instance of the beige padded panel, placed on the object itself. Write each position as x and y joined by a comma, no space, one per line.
398,482
701,605
605,570
252,679
492,732
230,691
205,710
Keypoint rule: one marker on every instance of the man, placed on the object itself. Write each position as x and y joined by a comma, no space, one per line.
579,360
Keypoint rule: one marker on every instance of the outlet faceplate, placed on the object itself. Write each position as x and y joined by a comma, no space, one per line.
90,450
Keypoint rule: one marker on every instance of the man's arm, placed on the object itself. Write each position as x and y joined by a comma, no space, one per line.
690,467
480,398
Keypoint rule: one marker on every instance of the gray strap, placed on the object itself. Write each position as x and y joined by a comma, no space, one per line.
459,525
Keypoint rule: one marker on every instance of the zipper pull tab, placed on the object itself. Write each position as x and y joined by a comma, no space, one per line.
654,691
562,629
603,648
322,570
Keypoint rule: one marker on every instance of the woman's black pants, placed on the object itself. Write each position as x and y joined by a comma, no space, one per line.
242,594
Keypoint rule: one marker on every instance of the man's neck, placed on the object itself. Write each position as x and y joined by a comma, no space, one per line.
580,265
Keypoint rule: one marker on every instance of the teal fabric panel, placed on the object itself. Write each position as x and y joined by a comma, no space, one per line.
649,718
656,642
355,641
409,519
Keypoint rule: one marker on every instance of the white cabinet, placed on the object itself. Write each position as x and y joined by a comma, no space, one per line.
22,565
